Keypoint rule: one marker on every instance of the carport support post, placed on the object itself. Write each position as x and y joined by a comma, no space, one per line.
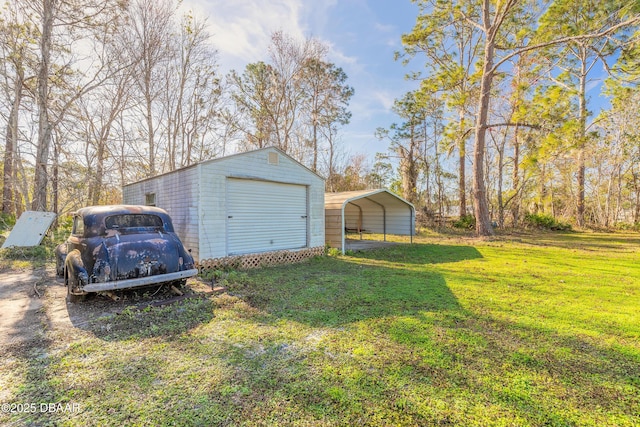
411,224
384,222
342,228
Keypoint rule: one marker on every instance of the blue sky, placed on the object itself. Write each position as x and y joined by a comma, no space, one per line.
362,35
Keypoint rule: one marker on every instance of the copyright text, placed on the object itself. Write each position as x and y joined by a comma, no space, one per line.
25,408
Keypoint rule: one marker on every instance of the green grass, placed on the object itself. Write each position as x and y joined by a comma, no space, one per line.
527,330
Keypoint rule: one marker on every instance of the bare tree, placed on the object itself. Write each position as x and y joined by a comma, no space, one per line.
288,58
191,96
98,114
16,70
49,12
71,21
147,41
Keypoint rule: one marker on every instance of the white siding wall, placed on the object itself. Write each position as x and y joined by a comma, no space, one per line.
352,217
400,220
372,216
177,194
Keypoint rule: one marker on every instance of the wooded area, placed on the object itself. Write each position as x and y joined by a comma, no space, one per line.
97,94
101,94
510,79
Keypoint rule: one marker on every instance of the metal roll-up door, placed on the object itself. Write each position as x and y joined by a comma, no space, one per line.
265,216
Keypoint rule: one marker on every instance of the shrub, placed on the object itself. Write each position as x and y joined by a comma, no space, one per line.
32,253
545,222
625,226
333,252
465,221
6,222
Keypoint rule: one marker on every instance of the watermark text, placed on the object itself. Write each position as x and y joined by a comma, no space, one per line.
31,408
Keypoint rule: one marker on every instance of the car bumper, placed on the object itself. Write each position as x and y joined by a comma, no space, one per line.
139,281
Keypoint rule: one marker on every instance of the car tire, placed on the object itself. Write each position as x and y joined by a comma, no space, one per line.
69,283
59,268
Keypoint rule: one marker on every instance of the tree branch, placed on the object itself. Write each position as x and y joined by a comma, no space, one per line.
471,21
511,124
629,22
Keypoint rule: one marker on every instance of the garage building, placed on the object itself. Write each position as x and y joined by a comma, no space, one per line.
253,202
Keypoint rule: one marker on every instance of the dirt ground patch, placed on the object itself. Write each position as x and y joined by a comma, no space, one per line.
33,303
22,305
365,245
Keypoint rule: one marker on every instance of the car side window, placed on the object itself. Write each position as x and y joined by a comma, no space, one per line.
78,226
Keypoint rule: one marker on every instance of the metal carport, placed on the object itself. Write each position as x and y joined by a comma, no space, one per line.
372,211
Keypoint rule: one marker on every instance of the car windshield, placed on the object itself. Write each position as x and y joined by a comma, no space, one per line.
133,221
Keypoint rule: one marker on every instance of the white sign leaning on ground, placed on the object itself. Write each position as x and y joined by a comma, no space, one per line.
29,229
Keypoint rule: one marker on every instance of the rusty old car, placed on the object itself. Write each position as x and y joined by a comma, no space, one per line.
120,247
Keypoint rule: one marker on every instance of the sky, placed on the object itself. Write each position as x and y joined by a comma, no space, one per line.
362,35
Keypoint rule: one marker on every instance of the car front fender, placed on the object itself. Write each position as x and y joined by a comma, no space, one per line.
61,255
77,276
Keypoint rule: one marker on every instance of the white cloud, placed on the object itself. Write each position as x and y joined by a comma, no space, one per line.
384,28
385,98
349,63
242,29
318,15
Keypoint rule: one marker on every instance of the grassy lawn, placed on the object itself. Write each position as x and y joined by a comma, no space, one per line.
522,330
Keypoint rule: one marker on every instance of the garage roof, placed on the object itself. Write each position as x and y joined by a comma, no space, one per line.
380,211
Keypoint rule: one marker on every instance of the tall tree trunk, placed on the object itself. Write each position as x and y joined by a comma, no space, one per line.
315,145
438,172
608,201
636,186
515,178
11,148
408,171
150,134
100,155
332,159
55,179
582,146
542,189
7,178
500,184
44,126
480,204
462,154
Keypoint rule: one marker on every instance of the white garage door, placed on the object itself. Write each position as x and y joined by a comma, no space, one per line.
265,216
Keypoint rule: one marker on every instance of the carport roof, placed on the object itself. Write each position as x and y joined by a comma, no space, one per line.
382,196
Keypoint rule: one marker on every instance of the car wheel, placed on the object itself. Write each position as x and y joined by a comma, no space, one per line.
70,283
59,268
